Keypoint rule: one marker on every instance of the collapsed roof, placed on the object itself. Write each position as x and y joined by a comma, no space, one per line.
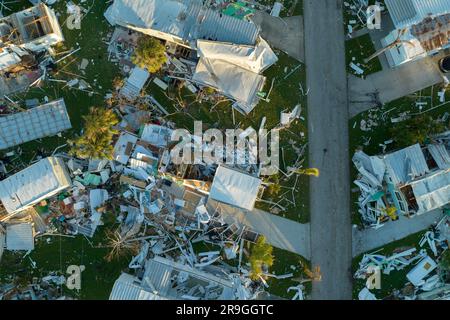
166,279
234,70
426,172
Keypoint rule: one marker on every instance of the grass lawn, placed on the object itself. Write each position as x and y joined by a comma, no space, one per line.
396,279
369,141
100,275
357,50
58,254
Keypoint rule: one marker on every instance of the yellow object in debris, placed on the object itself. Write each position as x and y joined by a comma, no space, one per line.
309,172
391,212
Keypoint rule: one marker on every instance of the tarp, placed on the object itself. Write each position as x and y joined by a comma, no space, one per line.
34,184
235,188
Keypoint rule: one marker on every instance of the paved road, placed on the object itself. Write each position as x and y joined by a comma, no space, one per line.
285,34
331,246
370,239
279,232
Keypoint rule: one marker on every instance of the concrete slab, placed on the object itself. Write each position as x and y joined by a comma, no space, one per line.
369,239
285,34
279,232
391,84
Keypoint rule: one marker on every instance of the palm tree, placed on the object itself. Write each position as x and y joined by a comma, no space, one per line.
96,141
308,172
149,54
260,256
120,246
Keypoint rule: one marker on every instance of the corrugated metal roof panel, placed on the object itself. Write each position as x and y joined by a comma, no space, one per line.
185,19
19,237
405,13
126,287
406,164
43,121
158,275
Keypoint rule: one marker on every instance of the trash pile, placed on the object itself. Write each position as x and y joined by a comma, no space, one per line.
46,288
404,183
426,279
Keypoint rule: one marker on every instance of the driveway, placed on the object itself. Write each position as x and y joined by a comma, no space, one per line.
331,246
285,34
369,239
391,84
279,232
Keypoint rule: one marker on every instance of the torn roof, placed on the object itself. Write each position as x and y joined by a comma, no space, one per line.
440,154
405,13
156,135
406,164
433,33
230,80
184,19
162,274
34,184
127,287
235,188
39,122
432,192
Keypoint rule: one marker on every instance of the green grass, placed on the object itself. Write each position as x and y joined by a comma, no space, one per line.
397,278
285,95
97,279
357,50
100,275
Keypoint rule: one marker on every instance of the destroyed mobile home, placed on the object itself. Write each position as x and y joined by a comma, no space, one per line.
25,40
404,183
426,279
206,48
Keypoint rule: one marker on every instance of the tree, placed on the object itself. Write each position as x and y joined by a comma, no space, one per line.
96,141
260,256
149,54
415,130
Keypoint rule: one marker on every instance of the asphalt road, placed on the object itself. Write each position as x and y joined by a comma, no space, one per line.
331,233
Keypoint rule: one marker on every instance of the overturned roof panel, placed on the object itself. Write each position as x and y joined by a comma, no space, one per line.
235,188
405,13
231,80
432,192
128,287
39,122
